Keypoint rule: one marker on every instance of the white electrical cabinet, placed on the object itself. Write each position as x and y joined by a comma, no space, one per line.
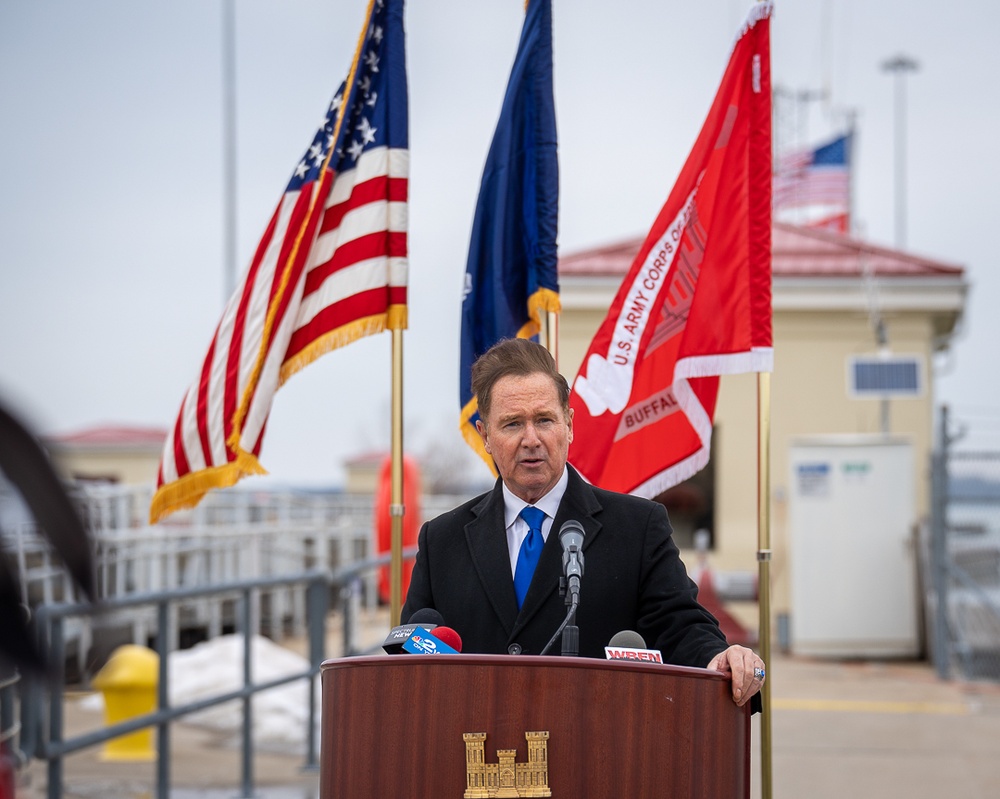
851,515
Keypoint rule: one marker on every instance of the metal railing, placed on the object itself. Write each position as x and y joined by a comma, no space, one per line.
231,536
47,741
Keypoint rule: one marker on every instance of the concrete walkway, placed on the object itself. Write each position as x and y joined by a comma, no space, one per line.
853,729
205,764
863,729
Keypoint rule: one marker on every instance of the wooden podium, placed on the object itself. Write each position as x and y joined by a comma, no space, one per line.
479,726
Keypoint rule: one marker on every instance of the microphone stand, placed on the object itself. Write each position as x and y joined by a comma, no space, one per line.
571,633
571,539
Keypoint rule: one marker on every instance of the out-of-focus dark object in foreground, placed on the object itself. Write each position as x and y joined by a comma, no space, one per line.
27,467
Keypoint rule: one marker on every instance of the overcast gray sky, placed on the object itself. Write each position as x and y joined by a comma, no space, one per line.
111,202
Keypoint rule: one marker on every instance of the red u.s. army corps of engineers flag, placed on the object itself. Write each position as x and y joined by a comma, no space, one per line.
696,302
330,268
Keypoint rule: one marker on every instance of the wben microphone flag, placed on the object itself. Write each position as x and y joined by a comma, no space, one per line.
423,643
629,653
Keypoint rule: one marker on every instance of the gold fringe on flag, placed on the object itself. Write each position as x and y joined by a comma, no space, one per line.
471,435
399,317
541,302
343,336
187,491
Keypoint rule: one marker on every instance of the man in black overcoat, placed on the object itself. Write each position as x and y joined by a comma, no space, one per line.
467,566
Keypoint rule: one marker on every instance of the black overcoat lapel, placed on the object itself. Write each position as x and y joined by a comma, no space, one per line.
487,540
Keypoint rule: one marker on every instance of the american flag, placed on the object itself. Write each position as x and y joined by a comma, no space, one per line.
331,267
817,176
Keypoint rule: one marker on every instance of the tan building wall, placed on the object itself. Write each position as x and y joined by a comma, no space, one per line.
113,454
129,468
809,395
363,473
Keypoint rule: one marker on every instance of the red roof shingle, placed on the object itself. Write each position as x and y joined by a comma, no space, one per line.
795,252
111,436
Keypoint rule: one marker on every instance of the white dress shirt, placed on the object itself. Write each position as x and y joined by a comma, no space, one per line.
517,528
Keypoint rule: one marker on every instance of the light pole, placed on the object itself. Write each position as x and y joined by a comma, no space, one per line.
229,266
900,65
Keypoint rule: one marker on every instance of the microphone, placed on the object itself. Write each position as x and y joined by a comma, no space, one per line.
571,537
425,617
629,645
425,643
428,618
628,638
448,636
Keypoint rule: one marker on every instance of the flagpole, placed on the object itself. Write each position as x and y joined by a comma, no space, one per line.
852,147
229,264
396,508
552,335
764,569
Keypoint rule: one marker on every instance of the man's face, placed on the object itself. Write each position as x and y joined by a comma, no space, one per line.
527,434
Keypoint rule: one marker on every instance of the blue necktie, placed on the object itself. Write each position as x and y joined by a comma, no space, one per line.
531,548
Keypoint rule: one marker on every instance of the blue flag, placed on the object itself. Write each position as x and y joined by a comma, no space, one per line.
511,277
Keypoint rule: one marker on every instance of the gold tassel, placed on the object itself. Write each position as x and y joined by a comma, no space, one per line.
187,491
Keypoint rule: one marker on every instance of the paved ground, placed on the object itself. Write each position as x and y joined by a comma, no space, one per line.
839,729
880,730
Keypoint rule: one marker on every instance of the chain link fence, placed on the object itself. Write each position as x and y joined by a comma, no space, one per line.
962,554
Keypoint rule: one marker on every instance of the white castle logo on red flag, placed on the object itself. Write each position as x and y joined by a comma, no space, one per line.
607,384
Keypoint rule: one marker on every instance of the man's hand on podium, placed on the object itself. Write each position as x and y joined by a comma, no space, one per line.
745,669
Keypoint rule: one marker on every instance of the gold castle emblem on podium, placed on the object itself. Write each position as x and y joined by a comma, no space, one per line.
506,778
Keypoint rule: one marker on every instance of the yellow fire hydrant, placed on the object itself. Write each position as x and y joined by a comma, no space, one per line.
128,682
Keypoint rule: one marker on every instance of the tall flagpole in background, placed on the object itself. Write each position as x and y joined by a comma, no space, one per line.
229,265
899,65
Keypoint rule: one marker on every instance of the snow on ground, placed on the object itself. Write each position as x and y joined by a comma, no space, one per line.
280,715
212,668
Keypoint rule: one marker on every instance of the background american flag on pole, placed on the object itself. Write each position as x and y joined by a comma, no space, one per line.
330,268
814,176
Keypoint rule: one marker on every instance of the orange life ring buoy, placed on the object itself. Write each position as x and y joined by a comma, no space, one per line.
383,520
